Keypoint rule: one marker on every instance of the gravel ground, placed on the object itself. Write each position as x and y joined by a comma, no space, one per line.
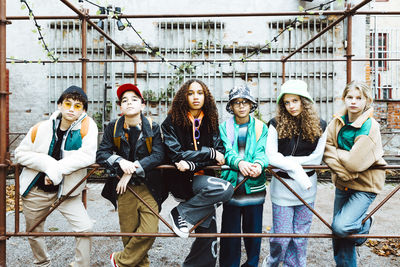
172,251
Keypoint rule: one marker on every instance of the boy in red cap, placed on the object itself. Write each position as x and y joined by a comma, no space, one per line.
138,147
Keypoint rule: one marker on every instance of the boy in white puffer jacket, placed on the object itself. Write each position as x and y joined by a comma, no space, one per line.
55,154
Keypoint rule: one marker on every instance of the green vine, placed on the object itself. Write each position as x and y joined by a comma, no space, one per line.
166,95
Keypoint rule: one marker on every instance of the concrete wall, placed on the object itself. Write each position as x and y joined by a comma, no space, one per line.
29,83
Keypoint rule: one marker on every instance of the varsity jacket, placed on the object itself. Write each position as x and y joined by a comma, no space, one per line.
179,146
254,153
362,149
288,155
76,154
147,161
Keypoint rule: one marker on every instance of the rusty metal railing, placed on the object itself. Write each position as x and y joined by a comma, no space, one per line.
95,167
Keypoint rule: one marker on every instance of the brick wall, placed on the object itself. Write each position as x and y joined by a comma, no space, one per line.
387,114
380,113
393,117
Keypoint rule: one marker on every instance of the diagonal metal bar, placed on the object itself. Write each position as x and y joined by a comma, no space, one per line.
62,199
16,203
148,206
302,200
394,191
327,28
94,25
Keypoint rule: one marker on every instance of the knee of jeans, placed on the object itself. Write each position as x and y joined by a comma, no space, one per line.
339,228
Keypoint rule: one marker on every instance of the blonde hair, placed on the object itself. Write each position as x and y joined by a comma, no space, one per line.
364,88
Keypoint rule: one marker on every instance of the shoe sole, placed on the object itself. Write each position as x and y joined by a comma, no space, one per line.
112,260
176,229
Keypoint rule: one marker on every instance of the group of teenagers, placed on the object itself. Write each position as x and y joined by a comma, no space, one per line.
56,152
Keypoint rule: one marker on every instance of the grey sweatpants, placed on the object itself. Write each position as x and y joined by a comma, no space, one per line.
208,192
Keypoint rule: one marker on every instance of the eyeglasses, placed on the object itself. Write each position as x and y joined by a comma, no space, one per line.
67,105
236,104
196,128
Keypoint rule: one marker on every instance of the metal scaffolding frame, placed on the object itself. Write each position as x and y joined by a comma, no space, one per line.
85,19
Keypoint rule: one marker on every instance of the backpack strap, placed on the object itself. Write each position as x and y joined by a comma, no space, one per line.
230,130
34,131
259,125
149,140
84,127
117,140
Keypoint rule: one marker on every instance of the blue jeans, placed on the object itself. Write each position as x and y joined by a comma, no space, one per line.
349,210
234,219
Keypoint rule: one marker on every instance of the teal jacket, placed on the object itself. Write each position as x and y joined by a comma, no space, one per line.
254,153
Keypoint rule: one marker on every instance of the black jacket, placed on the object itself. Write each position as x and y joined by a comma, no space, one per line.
179,146
147,174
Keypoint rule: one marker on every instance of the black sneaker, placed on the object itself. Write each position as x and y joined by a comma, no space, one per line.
179,224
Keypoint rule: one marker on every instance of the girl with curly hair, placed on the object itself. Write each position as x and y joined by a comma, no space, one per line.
191,136
295,137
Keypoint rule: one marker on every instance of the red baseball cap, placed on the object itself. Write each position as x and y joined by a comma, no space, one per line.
128,87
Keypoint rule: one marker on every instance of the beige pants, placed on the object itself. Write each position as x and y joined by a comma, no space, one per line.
36,204
135,217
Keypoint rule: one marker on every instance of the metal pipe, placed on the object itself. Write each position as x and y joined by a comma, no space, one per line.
16,207
3,131
148,206
135,72
266,14
327,28
94,25
381,203
225,167
84,48
201,235
255,60
61,200
349,46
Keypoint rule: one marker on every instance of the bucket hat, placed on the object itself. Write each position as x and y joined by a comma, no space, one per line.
241,92
294,87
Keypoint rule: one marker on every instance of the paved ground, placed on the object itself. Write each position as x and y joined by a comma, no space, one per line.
172,251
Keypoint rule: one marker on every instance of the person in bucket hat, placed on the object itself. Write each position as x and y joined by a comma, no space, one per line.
241,92
295,87
296,136
244,139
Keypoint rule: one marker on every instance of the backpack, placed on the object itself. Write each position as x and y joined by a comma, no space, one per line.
84,129
230,130
117,140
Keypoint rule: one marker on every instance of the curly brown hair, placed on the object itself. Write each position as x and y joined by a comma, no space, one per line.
307,122
180,107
